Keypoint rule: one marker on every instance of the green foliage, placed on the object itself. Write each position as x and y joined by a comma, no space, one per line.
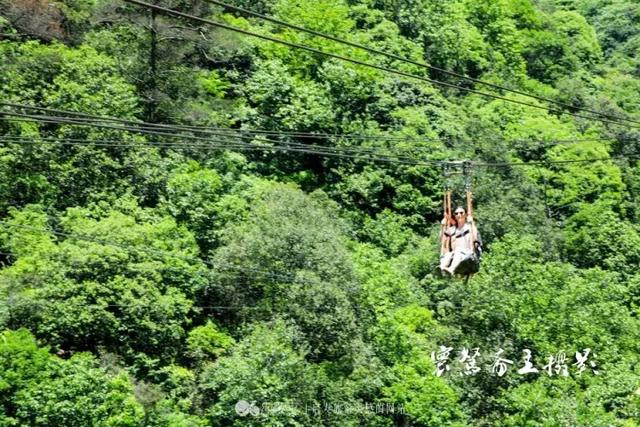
580,35
207,342
450,40
373,190
544,403
572,183
213,84
260,6
24,365
191,197
277,100
285,232
291,254
325,316
549,305
597,236
326,16
74,79
385,284
175,399
41,390
305,283
129,293
388,230
426,399
615,22
566,44
403,335
81,394
264,369
63,175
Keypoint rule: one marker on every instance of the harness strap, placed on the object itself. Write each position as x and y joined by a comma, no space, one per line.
464,233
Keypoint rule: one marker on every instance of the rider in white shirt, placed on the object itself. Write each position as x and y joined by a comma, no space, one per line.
458,241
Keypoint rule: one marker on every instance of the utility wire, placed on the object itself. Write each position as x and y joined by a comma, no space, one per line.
179,14
409,61
211,143
214,146
557,162
308,149
221,131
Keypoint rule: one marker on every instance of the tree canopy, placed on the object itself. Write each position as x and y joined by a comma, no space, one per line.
235,232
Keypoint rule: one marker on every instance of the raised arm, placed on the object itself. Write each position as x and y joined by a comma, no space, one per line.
444,237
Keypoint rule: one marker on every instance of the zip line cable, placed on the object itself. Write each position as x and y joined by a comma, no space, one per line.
302,148
164,128
557,162
179,14
212,145
244,147
164,132
409,61
311,149
227,130
307,150
285,133
225,145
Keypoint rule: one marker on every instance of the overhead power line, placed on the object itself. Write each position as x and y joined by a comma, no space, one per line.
227,130
239,30
557,162
212,145
410,61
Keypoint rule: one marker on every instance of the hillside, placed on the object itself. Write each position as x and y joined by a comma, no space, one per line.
208,218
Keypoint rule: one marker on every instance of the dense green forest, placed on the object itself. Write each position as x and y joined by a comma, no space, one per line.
269,257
